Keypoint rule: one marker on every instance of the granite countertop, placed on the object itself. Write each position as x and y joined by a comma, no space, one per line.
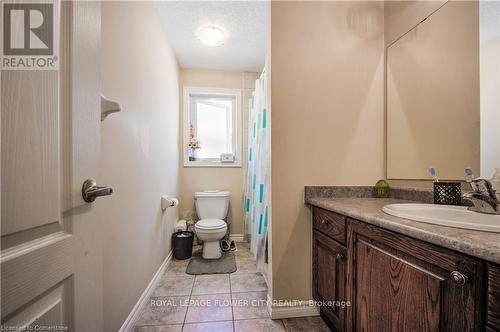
485,245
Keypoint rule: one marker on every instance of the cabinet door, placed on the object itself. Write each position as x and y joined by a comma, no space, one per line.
493,300
402,284
329,278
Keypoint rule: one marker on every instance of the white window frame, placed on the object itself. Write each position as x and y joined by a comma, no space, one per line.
236,125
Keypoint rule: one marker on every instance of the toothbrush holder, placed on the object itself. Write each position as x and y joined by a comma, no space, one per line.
447,193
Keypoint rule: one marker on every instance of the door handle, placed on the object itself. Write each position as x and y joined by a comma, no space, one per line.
90,190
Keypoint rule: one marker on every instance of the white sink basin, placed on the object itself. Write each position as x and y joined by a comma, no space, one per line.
445,215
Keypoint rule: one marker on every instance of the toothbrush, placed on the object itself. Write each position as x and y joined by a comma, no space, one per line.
470,177
433,172
470,173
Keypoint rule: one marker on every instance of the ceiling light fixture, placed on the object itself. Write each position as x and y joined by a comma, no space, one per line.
211,35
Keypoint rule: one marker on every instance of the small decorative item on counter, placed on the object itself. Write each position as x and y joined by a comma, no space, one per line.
193,144
447,193
382,189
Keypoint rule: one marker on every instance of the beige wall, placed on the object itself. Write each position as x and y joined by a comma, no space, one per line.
140,152
223,178
327,67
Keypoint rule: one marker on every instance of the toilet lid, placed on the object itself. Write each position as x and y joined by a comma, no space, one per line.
210,224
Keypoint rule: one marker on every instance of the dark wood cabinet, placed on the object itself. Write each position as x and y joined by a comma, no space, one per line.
403,284
493,298
329,278
397,283
331,224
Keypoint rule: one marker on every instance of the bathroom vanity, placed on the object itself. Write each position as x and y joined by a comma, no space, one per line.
398,274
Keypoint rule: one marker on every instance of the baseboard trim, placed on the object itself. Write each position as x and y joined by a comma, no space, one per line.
136,310
290,311
237,237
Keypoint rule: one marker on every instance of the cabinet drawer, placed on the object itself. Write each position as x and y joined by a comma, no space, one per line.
330,223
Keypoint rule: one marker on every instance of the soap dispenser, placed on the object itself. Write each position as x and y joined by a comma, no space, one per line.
495,182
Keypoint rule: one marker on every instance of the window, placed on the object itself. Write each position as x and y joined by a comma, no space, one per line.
212,127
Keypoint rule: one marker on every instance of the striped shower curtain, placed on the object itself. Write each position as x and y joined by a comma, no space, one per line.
257,178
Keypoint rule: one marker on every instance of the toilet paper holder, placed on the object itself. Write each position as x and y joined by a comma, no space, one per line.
167,202
108,107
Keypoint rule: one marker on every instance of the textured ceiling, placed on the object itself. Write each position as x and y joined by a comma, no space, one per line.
244,21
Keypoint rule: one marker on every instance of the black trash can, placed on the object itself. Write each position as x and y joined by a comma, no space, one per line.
182,244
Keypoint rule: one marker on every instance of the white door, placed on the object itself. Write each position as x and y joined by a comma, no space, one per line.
51,261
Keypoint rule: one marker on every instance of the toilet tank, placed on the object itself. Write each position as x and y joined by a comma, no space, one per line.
211,204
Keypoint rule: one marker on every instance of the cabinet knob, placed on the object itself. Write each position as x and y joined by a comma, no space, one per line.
322,221
340,256
458,277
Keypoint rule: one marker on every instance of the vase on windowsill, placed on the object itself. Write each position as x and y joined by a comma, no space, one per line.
193,144
193,154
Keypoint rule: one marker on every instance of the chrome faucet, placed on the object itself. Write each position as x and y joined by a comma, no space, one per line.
482,197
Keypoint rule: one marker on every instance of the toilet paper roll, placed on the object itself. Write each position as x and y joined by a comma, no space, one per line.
181,225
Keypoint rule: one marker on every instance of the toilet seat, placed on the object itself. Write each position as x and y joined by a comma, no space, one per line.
210,224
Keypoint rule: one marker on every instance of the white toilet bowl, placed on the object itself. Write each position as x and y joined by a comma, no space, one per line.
211,231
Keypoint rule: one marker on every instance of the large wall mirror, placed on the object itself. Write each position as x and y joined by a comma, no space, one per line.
433,95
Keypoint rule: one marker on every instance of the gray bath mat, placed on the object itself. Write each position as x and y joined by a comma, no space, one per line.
199,265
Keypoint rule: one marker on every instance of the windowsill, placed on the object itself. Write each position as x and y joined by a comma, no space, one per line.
207,164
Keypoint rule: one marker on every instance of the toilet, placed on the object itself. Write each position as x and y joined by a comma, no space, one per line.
211,208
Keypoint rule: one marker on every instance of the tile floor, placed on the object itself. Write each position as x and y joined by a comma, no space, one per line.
233,302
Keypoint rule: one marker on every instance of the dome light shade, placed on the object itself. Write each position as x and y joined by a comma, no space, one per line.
211,36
